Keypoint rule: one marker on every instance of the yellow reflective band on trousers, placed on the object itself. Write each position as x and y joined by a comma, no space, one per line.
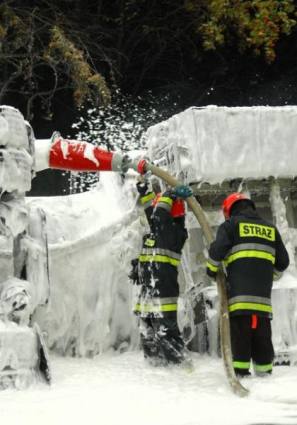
250,306
211,267
158,259
263,367
241,365
249,254
152,308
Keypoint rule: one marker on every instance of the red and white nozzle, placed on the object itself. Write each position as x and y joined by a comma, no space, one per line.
74,155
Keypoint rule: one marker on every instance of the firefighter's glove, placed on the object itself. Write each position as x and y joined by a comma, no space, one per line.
276,275
182,191
142,188
133,275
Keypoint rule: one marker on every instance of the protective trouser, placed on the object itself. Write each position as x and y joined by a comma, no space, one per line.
251,340
161,339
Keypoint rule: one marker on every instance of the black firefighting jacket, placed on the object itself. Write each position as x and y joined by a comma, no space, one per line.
251,250
160,257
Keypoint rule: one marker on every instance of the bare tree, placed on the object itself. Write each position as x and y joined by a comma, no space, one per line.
39,58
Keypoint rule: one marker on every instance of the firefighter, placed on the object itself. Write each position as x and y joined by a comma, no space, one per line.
158,274
251,250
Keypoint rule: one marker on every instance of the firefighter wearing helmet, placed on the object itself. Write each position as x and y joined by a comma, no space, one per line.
157,274
251,250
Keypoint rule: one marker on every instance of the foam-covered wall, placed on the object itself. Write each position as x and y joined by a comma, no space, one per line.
92,238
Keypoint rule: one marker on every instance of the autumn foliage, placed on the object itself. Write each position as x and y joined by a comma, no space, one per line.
90,48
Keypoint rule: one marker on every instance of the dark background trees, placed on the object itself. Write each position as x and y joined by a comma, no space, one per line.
57,55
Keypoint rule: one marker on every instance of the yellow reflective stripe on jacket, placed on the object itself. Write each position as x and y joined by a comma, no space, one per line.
160,251
146,198
251,247
150,242
250,306
249,299
165,200
211,267
241,365
158,259
249,254
151,308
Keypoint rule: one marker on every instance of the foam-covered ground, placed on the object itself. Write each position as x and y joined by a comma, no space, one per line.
114,389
